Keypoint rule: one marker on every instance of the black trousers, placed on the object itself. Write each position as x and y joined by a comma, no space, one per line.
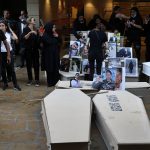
147,53
32,60
92,57
5,66
22,57
136,44
52,78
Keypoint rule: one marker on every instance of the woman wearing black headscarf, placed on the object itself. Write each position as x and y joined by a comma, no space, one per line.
51,46
117,20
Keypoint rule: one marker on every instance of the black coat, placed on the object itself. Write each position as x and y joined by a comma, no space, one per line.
51,48
147,33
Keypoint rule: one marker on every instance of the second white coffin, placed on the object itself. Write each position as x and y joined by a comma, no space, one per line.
146,68
122,120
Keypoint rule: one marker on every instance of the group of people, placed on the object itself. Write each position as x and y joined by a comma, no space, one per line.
133,27
31,41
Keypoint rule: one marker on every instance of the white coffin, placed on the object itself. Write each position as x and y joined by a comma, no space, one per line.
86,85
128,129
146,68
131,85
67,119
66,76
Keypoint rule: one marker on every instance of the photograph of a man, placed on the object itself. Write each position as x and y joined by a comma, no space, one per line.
106,84
75,83
131,67
75,64
125,52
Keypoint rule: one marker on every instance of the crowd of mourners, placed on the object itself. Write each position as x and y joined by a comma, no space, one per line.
34,44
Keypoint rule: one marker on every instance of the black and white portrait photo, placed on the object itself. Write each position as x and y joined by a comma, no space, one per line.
75,64
131,67
64,64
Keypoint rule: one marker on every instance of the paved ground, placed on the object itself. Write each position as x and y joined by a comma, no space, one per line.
21,126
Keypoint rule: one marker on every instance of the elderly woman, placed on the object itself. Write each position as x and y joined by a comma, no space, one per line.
51,46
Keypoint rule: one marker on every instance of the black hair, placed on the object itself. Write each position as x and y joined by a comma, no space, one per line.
119,70
76,43
116,8
96,16
108,71
6,24
137,11
2,21
77,74
49,28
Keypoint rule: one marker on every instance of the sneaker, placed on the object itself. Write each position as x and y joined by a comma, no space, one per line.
37,83
29,82
17,88
5,86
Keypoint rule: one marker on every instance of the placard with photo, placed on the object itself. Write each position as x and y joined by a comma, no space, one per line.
64,64
76,64
82,37
114,62
110,79
125,52
131,67
74,48
110,36
111,52
85,66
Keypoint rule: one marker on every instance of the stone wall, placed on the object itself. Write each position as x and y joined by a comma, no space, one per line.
33,9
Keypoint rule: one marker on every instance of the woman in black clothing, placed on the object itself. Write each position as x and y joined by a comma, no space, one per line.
79,24
147,39
97,19
30,37
97,38
51,47
117,20
134,29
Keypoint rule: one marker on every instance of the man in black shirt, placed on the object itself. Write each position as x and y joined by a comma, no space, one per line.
97,38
